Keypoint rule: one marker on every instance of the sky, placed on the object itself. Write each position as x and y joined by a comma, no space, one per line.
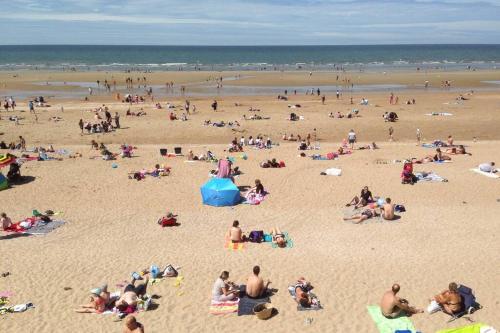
249,22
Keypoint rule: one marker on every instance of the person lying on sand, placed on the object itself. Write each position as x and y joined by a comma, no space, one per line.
387,210
364,199
96,305
365,215
130,296
278,237
235,234
460,150
223,289
131,325
438,157
256,287
302,289
488,167
393,307
449,300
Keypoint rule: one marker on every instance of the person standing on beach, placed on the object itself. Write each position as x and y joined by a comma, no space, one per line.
214,106
117,120
80,123
323,98
419,136
338,94
31,106
351,137
391,132
22,143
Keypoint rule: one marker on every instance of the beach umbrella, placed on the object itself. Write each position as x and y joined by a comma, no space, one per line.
220,192
6,160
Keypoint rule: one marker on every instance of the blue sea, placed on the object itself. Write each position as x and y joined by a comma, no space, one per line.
165,58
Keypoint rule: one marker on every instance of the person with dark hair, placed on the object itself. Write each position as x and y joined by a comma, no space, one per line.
364,198
235,234
223,289
255,284
393,306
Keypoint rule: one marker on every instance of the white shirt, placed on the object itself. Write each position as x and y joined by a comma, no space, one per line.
351,136
486,167
217,290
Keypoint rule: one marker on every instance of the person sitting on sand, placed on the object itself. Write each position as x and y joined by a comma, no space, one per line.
257,190
393,307
235,234
127,303
438,157
364,199
131,325
224,290
96,305
365,215
6,221
459,150
278,237
256,287
488,167
388,210
449,301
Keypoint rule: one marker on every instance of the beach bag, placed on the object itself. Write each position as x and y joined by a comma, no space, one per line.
256,236
170,271
282,164
330,156
400,208
468,297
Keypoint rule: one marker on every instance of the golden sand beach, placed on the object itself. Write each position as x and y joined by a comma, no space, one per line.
449,231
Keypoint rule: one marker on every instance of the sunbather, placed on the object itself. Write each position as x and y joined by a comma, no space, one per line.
127,302
257,190
223,289
302,295
256,287
235,234
364,199
460,150
488,167
392,306
387,210
449,300
132,325
365,215
6,221
278,237
96,305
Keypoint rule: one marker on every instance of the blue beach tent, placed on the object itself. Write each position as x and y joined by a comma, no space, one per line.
4,184
220,192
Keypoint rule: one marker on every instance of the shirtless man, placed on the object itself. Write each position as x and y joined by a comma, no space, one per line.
131,294
255,284
132,325
388,210
450,300
235,234
6,221
392,306
365,215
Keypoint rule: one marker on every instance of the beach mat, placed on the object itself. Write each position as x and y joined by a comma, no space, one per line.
386,325
45,228
219,308
228,245
475,328
487,174
247,304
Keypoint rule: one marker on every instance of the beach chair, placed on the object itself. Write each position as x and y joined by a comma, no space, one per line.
178,151
469,303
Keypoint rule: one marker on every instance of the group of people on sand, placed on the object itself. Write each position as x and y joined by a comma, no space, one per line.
236,235
172,116
449,301
352,114
374,207
221,123
257,142
226,290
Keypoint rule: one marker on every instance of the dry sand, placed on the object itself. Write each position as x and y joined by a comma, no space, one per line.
449,232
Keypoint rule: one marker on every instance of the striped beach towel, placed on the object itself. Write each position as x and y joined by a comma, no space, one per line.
228,245
218,308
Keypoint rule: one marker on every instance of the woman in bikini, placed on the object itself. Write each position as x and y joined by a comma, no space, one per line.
278,237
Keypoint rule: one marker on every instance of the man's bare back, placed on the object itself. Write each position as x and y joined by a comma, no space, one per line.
255,286
388,211
388,304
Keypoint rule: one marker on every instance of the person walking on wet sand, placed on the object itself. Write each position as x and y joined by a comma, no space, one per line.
214,106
